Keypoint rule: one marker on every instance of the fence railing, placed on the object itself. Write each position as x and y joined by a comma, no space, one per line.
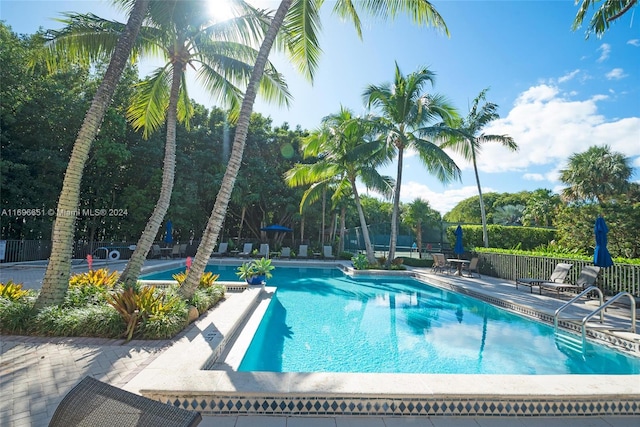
612,280
37,250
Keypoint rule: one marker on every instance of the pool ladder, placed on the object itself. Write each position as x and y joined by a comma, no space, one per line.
600,310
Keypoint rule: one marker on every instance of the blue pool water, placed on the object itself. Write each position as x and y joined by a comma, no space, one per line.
321,320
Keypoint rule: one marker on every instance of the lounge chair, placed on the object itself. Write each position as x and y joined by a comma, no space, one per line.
587,277
155,252
558,276
472,267
222,249
327,252
264,251
183,250
94,403
246,250
285,252
303,251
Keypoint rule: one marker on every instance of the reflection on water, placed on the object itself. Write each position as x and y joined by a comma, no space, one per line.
328,322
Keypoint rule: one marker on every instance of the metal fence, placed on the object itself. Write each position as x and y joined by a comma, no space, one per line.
612,280
36,250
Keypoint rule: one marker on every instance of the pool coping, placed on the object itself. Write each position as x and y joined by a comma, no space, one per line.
185,382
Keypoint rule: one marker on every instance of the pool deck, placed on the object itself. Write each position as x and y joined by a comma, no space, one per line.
38,372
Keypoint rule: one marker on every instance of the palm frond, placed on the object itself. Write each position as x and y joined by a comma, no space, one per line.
148,107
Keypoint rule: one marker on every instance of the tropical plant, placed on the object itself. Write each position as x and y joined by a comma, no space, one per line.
345,152
360,262
596,175
253,269
101,277
508,215
406,121
302,43
608,12
468,139
207,280
12,291
56,278
417,214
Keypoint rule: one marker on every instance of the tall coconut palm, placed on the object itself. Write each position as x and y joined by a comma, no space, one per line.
468,141
300,34
407,117
186,36
56,278
345,153
608,12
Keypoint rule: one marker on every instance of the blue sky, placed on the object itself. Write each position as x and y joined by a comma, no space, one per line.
558,93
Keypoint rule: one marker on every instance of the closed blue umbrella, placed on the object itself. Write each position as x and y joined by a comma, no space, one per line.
601,256
169,236
458,249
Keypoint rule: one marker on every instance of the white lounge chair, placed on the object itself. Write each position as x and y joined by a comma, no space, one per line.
222,249
264,251
285,252
303,251
559,274
327,252
246,250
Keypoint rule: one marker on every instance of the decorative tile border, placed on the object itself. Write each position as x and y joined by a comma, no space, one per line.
419,406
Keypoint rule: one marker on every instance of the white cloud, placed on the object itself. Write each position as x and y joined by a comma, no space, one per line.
636,162
605,50
568,76
533,177
443,201
548,128
634,42
616,74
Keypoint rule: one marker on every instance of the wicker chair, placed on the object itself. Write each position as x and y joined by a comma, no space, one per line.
93,403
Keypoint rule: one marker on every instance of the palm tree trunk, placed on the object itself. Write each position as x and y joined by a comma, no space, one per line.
219,211
396,208
485,234
56,278
134,266
371,256
343,221
419,238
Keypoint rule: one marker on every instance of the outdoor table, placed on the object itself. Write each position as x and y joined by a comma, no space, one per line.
166,252
459,262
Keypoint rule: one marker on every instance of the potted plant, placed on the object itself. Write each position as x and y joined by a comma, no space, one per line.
255,272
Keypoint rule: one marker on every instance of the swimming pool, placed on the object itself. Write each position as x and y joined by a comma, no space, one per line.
321,320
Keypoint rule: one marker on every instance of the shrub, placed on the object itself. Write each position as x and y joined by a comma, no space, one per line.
205,298
418,262
207,279
13,291
100,277
345,255
15,315
502,236
360,262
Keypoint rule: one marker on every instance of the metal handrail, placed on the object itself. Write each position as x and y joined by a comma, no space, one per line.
600,310
577,297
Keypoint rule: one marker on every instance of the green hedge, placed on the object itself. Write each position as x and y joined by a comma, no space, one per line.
503,236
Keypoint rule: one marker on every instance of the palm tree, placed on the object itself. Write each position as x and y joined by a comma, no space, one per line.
405,115
509,215
596,175
302,43
345,153
416,215
468,141
56,278
220,51
609,11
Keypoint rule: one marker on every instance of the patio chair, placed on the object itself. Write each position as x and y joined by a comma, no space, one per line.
222,249
93,403
155,252
558,276
183,250
246,250
264,251
327,252
303,251
587,277
175,253
285,252
439,263
471,268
